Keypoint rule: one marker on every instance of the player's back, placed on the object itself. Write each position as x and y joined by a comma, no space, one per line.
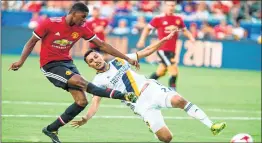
58,38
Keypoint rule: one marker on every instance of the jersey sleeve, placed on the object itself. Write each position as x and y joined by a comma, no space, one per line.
182,23
42,29
87,33
133,56
153,23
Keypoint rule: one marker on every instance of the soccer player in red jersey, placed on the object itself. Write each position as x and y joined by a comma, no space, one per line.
168,52
99,25
58,35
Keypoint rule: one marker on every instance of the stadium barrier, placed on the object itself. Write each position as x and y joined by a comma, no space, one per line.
245,54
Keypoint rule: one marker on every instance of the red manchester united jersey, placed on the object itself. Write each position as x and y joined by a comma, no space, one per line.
163,23
97,25
58,38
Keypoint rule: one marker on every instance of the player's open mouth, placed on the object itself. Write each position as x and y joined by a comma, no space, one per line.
98,65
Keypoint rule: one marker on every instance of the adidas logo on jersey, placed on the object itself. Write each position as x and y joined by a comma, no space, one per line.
57,34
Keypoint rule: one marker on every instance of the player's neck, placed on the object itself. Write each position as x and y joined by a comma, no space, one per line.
68,20
168,14
104,68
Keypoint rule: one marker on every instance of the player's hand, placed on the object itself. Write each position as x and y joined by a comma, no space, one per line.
78,123
16,65
134,63
140,44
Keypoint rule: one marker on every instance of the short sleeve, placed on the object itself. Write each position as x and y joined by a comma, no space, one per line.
133,56
42,29
182,23
153,23
87,33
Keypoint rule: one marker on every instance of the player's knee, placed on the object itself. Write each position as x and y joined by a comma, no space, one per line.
78,81
173,70
178,102
166,138
82,102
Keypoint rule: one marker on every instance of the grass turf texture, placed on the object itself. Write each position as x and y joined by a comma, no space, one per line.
222,94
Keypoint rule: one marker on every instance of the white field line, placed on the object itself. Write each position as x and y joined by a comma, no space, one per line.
119,106
133,117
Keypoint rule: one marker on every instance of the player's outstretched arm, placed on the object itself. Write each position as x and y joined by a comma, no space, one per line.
90,113
188,34
142,39
29,46
153,47
112,51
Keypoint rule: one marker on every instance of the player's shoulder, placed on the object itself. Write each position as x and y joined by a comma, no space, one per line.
178,16
160,15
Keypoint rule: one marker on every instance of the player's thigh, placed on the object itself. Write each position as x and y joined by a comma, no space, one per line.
79,97
154,119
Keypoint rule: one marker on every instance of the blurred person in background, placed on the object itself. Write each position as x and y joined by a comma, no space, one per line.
193,29
238,32
12,5
222,30
36,20
206,31
147,6
99,25
168,53
121,28
123,7
33,6
139,25
201,11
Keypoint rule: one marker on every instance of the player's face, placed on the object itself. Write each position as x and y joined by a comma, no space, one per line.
95,60
79,18
170,7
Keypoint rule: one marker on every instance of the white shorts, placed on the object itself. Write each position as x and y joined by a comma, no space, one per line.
151,100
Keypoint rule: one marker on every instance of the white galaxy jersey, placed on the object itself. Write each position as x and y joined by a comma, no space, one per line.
121,77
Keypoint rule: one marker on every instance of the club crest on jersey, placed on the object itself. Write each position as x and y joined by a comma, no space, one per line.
75,35
68,72
177,21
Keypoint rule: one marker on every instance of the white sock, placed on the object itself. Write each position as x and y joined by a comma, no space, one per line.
195,112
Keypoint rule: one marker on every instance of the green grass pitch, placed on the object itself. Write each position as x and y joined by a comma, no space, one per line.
30,102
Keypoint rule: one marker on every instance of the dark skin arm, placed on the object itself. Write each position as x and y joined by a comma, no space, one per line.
29,46
112,51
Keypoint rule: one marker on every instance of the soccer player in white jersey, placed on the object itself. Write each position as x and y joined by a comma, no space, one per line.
118,75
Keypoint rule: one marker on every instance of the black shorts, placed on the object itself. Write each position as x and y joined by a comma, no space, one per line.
166,57
59,72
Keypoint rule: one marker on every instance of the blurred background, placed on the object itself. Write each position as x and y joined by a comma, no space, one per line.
220,72
235,24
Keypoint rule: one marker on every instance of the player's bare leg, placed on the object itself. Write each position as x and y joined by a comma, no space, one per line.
173,72
195,112
161,71
164,134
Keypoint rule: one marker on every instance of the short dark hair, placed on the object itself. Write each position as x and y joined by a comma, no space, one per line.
79,6
87,53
